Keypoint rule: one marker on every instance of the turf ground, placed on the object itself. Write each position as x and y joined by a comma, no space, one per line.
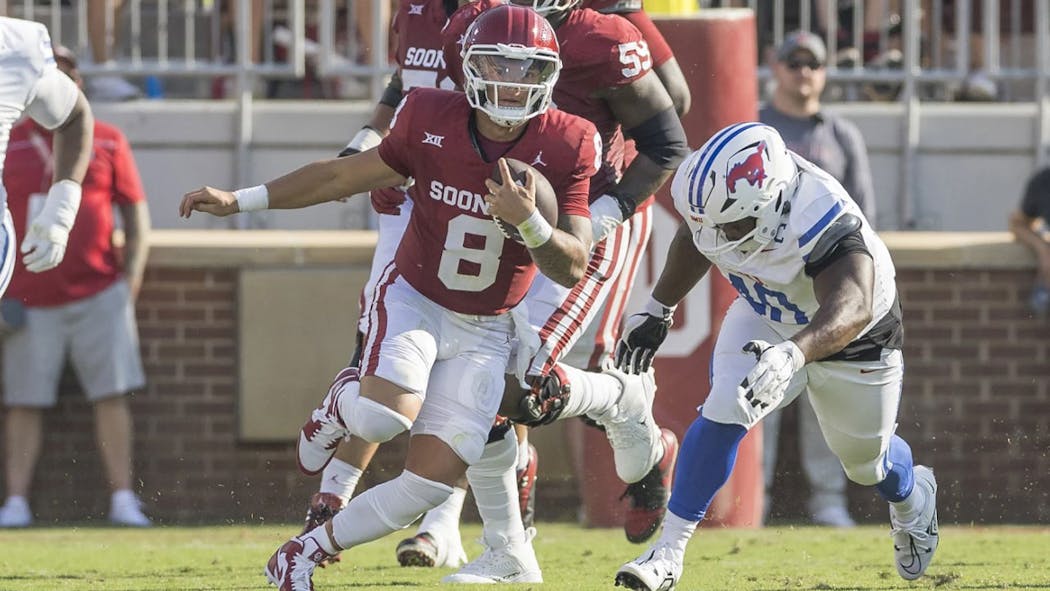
232,558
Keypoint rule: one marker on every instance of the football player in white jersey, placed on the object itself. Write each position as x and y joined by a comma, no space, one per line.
31,84
817,309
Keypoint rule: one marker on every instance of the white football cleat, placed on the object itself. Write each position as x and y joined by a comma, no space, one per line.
16,513
126,509
320,436
426,549
514,563
658,569
915,543
630,426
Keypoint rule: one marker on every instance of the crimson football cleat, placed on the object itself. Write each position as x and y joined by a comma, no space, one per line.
527,488
648,497
323,507
291,567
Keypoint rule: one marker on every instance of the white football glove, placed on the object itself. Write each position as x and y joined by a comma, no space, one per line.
767,381
45,241
607,213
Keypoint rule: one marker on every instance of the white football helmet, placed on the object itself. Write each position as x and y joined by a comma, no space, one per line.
743,171
510,64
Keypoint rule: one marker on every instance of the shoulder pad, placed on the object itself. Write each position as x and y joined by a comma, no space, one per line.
843,226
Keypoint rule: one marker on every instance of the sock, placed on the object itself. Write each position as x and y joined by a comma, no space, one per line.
386,508
494,482
592,394
677,532
704,464
523,456
445,517
340,478
320,535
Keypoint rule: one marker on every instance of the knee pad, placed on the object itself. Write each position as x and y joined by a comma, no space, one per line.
544,402
376,423
410,496
498,456
458,430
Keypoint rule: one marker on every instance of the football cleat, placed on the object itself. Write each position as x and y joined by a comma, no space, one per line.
423,549
291,567
527,488
322,508
630,427
648,497
915,543
320,436
514,563
657,570
125,509
16,513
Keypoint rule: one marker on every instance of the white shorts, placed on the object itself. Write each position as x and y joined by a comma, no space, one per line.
454,362
390,229
855,402
99,334
578,325
8,248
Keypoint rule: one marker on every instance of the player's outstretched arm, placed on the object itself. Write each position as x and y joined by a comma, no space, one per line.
317,182
844,293
685,267
72,142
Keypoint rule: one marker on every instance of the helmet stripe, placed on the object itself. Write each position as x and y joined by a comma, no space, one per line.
723,138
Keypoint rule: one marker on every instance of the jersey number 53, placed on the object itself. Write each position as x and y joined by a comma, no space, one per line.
635,55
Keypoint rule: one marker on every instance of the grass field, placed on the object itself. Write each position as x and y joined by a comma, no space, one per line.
232,558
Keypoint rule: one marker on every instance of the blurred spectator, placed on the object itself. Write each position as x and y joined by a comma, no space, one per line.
1029,225
102,28
836,146
83,307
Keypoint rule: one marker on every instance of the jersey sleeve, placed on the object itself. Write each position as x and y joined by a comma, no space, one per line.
127,184
394,149
813,220
53,95
658,47
617,52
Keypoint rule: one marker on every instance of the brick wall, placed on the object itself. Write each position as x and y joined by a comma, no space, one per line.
976,406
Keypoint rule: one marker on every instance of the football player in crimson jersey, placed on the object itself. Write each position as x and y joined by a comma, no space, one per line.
607,78
441,334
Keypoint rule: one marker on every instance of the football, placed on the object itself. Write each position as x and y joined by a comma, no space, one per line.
546,200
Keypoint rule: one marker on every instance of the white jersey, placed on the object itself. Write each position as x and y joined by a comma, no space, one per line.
774,281
30,82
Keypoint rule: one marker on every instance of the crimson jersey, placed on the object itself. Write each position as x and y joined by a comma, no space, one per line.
597,51
632,10
452,252
416,27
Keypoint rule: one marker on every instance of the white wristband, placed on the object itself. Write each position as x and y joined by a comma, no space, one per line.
63,201
253,198
366,139
655,308
535,230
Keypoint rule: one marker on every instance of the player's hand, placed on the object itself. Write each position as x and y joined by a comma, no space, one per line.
775,365
208,200
607,213
44,244
509,201
643,333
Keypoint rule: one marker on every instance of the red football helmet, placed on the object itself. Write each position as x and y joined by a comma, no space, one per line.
548,7
510,64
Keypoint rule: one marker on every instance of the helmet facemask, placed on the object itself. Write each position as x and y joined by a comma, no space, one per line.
510,83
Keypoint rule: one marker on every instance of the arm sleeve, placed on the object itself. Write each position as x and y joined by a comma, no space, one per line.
53,98
858,180
394,149
127,184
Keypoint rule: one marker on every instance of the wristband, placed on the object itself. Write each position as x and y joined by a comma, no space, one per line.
366,139
253,198
655,308
63,201
535,230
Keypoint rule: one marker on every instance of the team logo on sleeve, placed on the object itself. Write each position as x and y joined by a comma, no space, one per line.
416,9
748,164
433,140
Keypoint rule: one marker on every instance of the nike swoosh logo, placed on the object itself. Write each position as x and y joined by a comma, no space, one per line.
868,370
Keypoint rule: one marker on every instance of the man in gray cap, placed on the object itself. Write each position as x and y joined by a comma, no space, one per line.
835,145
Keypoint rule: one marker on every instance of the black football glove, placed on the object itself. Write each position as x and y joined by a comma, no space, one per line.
643,333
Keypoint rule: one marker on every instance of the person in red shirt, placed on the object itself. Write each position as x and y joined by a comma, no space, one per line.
83,308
